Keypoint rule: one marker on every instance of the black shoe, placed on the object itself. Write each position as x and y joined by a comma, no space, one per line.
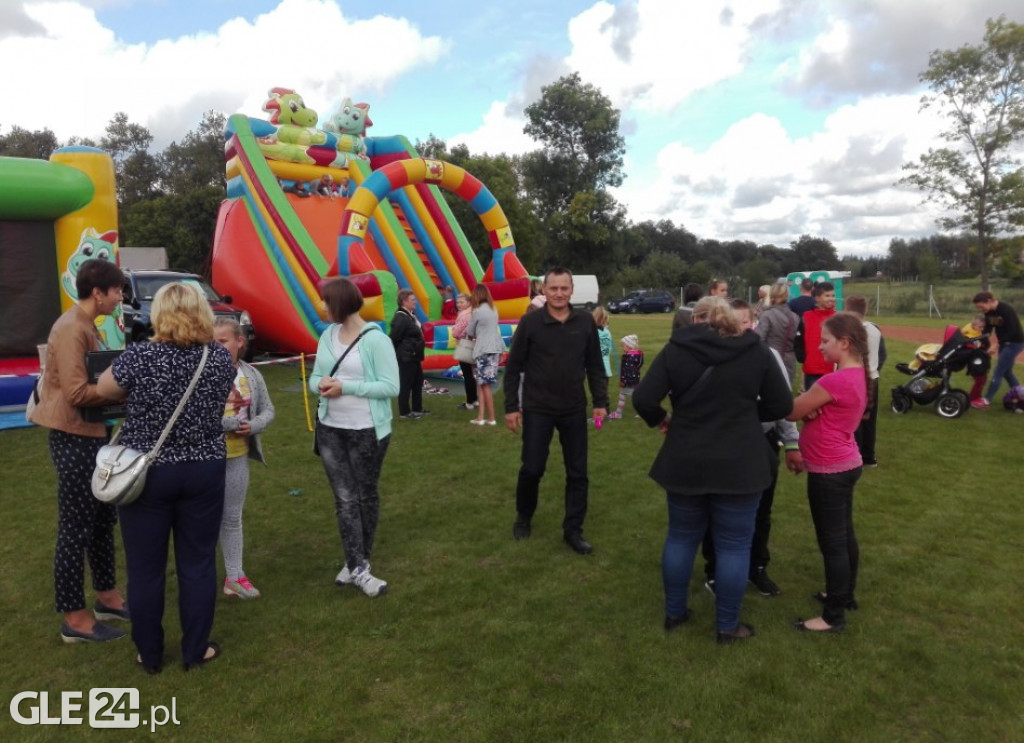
422,413
106,614
764,585
521,529
100,633
151,670
832,628
821,597
742,632
579,545
673,622
212,653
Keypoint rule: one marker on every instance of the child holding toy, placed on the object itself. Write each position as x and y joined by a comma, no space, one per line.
248,411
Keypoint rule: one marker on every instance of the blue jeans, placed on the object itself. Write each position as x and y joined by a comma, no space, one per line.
732,520
831,499
572,434
1008,352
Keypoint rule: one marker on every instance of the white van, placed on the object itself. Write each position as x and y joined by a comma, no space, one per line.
585,292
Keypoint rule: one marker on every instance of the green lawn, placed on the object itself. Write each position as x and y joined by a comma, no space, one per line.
482,638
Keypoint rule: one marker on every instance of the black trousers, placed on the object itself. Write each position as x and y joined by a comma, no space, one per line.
831,500
572,435
410,387
185,500
85,527
469,380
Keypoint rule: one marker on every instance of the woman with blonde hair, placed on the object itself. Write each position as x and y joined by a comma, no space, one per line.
184,492
465,308
777,326
713,464
487,350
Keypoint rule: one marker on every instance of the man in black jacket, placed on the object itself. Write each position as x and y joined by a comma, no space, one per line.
552,351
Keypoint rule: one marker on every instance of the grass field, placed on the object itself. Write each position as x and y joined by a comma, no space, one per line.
482,638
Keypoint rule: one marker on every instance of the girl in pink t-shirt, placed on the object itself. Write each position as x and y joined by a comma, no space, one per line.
831,410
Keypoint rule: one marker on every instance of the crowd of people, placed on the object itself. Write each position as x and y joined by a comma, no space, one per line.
727,374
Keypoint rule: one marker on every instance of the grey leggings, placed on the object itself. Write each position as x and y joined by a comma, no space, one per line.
353,460
236,484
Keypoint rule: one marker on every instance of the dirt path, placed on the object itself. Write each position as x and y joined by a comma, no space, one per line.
919,335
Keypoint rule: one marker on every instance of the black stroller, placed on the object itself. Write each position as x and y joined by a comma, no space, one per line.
930,375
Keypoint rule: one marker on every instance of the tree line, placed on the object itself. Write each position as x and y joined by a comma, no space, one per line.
561,211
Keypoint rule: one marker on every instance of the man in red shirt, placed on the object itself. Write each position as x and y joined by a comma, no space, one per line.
808,335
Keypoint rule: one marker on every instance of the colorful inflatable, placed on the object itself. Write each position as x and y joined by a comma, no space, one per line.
387,227
53,216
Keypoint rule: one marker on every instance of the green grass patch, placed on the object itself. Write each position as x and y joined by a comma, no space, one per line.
482,638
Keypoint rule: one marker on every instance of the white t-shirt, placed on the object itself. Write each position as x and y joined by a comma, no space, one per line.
348,411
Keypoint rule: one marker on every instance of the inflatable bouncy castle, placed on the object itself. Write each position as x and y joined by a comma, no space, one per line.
307,203
54,215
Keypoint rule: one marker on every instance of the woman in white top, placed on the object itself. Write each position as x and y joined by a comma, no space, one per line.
356,375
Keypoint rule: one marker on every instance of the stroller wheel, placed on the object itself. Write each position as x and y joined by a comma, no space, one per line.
952,404
901,402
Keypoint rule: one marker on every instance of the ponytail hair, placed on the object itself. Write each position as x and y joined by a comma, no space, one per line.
848,325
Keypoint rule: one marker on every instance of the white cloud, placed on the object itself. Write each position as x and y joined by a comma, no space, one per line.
501,131
164,85
757,183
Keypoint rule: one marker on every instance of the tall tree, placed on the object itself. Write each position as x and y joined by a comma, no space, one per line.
979,176
198,160
138,172
567,179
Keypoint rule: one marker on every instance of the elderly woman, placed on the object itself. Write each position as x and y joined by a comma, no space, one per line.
487,349
85,527
184,492
465,307
777,326
713,464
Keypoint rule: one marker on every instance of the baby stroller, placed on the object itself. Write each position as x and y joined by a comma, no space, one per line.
930,375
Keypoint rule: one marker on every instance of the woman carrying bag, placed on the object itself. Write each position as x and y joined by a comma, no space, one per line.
184,491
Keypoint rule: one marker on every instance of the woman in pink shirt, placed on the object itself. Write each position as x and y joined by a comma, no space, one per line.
831,411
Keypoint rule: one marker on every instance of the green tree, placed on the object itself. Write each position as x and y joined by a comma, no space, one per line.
978,176
198,160
566,180
184,224
21,142
138,172
814,254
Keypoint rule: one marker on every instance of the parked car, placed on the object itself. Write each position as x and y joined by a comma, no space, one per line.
585,291
648,300
140,287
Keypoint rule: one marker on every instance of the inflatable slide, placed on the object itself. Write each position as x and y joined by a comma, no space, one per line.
304,204
54,215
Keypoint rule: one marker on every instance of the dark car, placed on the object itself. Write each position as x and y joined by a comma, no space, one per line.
141,286
648,300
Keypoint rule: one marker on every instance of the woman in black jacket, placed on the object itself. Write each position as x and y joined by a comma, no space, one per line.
407,335
714,462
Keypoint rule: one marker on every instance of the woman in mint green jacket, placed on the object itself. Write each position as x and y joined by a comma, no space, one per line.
353,427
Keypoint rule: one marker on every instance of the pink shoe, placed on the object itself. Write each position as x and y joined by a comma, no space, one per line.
980,404
615,416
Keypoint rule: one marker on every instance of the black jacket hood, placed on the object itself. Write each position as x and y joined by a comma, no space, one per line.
709,348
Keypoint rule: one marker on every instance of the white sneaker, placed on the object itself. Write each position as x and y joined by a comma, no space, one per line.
367,583
343,578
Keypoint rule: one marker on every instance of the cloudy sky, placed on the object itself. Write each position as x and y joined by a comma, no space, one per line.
754,119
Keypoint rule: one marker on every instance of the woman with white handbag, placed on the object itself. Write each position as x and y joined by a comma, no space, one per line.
184,490
85,527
